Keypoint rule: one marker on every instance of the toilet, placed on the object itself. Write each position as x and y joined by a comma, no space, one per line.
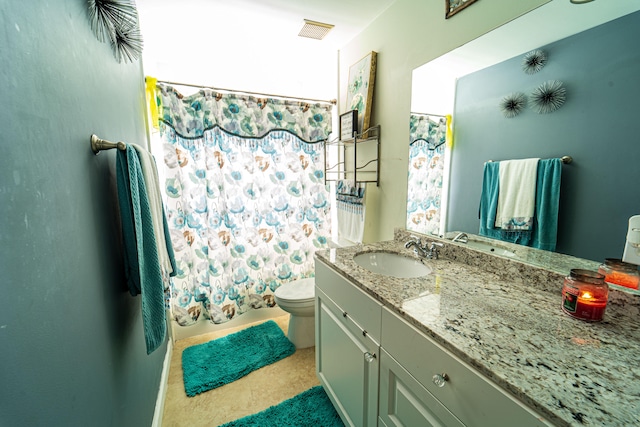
297,299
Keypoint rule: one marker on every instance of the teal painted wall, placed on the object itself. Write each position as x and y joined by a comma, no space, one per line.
72,350
598,126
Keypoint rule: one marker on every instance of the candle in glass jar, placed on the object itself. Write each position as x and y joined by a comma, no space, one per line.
585,295
618,272
589,307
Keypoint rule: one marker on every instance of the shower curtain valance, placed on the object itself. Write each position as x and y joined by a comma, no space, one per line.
241,115
428,131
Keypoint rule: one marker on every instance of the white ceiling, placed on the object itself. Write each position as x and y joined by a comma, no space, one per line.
238,44
270,21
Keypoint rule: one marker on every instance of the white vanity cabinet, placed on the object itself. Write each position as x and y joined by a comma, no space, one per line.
423,384
378,369
348,323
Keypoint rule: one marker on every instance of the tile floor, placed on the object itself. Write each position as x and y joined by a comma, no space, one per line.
257,391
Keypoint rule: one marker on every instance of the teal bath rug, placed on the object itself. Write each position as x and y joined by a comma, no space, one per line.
311,408
224,360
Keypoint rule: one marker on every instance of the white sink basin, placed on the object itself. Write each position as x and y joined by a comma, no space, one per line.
390,264
488,247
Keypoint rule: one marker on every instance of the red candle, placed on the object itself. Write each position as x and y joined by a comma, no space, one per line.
585,295
618,272
589,307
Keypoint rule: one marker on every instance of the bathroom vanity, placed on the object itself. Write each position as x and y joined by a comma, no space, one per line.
480,341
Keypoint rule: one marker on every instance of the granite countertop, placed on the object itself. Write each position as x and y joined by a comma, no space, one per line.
504,318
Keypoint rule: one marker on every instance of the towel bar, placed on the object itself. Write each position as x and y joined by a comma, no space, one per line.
99,144
565,159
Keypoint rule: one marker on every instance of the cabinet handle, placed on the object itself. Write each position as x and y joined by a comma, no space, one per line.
369,357
440,379
364,333
344,314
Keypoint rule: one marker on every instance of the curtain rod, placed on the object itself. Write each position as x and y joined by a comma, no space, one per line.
332,101
426,114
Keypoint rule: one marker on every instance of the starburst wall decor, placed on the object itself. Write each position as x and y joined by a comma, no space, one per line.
548,97
511,105
116,22
534,61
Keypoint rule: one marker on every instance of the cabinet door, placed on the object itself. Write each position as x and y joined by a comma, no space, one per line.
362,308
346,364
474,399
404,402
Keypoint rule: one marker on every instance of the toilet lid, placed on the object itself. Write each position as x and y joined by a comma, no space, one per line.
297,291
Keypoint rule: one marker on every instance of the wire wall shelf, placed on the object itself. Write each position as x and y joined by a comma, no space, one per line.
356,159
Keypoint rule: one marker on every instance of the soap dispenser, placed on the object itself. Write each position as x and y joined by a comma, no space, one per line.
632,245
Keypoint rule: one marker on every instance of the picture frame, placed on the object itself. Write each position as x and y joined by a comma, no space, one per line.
348,125
455,6
362,77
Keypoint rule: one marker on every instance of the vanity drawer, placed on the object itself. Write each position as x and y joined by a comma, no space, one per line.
357,304
471,397
405,402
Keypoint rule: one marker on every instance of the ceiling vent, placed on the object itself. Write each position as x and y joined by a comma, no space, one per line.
314,30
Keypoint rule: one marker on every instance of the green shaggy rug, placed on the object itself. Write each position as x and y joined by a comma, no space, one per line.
311,408
224,360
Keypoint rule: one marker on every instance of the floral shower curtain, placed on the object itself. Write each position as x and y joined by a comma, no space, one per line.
246,201
428,135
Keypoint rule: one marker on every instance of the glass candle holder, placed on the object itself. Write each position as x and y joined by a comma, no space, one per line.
585,295
618,272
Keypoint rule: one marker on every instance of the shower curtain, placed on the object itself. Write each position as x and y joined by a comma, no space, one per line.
428,135
246,201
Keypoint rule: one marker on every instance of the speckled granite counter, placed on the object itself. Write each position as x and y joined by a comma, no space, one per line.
504,318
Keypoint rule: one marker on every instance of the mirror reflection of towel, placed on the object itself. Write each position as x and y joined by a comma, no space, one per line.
517,195
547,200
547,204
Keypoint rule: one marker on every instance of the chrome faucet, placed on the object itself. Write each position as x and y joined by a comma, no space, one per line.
417,246
461,237
429,250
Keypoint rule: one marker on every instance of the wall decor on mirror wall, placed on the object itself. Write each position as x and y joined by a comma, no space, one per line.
362,77
116,22
513,104
534,61
455,6
348,125
548,97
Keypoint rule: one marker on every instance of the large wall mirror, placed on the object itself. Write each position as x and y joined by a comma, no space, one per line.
592,49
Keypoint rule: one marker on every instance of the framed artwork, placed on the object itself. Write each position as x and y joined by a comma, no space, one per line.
455,6
362,76
348,125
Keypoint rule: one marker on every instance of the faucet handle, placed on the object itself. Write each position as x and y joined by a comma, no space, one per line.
415,239
433,250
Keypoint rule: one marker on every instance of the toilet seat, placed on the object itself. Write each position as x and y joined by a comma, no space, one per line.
297,292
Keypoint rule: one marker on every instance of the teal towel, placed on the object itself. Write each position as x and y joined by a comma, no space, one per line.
545,226
547,204
142,267
489,201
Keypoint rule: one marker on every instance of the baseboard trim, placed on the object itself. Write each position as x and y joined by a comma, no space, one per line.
162,392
